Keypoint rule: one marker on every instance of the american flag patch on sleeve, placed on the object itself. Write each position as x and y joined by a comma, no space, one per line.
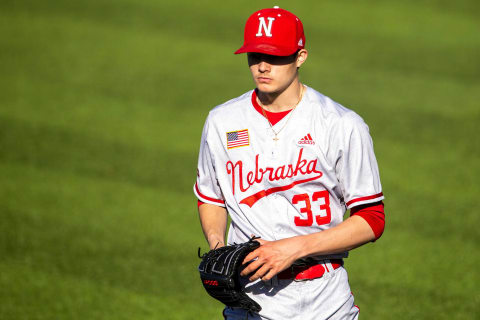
237,139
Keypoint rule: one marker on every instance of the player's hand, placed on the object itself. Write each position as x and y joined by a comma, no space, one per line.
271,258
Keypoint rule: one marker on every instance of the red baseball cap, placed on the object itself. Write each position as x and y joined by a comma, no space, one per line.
273,31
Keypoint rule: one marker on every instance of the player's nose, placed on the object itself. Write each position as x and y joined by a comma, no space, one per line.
263,66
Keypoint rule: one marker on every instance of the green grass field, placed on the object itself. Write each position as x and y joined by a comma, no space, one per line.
101,109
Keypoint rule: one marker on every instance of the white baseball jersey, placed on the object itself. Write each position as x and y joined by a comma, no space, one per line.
321,165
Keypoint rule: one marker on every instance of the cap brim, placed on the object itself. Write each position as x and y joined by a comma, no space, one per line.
267,49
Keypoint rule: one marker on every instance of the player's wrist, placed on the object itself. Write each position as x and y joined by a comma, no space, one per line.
310,245
305,247
215,241
298,247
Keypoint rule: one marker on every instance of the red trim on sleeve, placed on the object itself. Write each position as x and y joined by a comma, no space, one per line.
273,117
364,198
207,198
374,214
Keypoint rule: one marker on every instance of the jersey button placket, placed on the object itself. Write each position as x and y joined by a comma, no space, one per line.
269,161
272,153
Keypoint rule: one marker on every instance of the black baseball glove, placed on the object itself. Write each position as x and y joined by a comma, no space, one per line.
220,272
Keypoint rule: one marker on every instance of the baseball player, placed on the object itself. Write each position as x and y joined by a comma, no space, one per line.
285,163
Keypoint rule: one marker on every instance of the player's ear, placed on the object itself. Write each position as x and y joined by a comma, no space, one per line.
301,57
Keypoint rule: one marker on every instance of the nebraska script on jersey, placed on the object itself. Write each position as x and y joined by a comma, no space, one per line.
301,168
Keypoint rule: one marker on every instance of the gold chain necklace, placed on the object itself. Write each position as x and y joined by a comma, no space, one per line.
289,116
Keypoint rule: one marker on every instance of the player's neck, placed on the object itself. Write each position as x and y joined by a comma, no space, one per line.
281,101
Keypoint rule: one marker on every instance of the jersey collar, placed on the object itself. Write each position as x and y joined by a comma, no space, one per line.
273,117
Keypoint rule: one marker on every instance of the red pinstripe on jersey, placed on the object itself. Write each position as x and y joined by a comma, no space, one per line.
378,195
207,198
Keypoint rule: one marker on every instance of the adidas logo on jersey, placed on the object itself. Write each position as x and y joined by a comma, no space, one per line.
306,140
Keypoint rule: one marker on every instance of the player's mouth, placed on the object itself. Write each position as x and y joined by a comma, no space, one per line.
264,79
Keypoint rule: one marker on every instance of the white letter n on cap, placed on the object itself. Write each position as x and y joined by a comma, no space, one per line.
263,25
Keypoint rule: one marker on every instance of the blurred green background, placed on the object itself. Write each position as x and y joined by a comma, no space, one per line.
102,104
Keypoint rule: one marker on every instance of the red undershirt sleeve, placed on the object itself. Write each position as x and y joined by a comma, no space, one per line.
374,214
199,203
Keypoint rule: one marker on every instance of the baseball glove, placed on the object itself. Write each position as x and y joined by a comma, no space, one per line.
220,272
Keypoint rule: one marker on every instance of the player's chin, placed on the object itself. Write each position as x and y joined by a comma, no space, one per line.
266,87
